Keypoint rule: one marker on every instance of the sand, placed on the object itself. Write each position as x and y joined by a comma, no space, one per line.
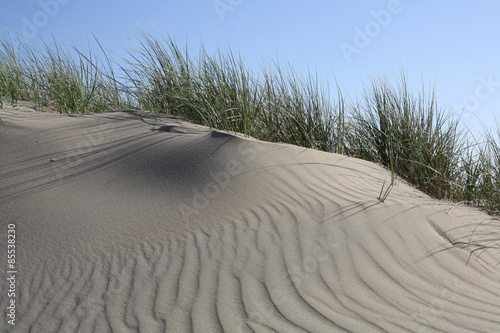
120,228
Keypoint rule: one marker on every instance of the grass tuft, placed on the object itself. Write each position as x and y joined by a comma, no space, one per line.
64,79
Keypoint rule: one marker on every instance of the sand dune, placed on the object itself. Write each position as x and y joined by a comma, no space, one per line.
124,229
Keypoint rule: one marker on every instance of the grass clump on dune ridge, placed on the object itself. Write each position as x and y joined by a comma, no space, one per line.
12,77
65,80
411,135
220,92
481,184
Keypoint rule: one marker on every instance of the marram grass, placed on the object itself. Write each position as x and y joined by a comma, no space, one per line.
410,134
52,75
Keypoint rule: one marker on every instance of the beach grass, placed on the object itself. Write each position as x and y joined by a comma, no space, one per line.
407,132
410,135
221,92
62,78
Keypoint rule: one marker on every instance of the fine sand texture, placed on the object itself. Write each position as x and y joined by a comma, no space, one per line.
122,228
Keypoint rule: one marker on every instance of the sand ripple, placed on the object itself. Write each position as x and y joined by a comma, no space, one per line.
292,241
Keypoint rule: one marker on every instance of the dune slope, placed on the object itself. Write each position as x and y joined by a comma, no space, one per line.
120,228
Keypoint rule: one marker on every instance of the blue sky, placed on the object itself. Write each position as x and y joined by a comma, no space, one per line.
452,45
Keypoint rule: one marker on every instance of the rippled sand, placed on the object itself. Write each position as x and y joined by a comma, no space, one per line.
124,229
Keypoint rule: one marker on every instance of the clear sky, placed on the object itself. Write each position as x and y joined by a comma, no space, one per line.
452,45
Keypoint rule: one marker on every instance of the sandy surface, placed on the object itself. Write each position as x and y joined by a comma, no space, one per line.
123,229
